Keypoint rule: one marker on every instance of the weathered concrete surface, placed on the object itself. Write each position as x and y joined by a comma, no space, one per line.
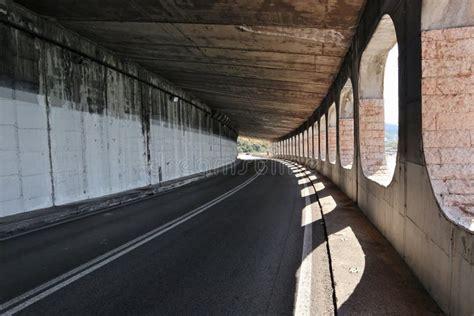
260,62
77,122
23,223
441,14
370,278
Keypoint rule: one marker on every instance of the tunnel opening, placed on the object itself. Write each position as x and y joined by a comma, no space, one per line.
378,104
251,145
346,125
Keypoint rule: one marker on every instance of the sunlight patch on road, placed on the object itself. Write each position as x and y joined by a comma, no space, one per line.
319,186
303,181
303,293
328,203
307,191
349,255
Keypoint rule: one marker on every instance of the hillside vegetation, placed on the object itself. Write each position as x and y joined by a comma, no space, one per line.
252,145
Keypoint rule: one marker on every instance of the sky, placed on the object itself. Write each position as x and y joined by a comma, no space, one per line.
390,88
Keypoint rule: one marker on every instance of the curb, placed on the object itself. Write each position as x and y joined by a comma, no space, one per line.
24,223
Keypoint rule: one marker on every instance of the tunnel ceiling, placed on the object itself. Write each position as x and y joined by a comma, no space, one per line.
267,64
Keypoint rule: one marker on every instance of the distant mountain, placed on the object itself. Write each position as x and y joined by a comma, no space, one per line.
391,128
391,137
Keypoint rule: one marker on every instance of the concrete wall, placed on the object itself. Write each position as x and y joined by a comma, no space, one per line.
76,122
437,246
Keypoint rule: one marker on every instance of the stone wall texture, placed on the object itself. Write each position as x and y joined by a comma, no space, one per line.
346,141
371,128
332,144
435,139
448,116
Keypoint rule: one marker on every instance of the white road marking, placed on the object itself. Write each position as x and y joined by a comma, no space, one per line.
303,291
28,298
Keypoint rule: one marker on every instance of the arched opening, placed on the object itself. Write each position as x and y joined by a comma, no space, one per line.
346,125
332,134
316,140
322,138
378,104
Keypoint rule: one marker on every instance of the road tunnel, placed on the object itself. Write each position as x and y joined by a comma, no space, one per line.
107,104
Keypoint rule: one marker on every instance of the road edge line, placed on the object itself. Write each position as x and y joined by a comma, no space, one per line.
36,294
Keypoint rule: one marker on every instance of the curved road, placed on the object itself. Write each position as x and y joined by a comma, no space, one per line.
232,244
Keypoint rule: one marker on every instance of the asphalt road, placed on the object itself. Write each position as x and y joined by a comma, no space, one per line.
239,255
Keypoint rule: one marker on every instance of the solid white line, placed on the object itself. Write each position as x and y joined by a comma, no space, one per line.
303,294
67,278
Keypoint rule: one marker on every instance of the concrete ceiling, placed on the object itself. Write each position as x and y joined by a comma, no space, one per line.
265,63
